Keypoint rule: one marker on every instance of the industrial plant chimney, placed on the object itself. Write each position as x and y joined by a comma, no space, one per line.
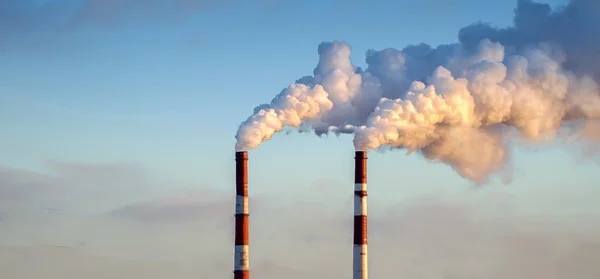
241,260
360,255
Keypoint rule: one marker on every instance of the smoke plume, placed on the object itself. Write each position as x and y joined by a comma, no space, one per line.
460,104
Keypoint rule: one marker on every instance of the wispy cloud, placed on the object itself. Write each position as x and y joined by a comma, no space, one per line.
84,188
27,15
189,233
114,12
33,22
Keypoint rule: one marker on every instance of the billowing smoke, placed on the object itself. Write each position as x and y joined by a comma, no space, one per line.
459,104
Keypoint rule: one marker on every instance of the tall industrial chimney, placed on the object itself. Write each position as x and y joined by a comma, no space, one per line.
360,255
241,258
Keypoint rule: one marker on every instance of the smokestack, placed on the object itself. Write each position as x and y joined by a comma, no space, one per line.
241,264
360,255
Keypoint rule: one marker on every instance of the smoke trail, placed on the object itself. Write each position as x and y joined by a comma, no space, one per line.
459,104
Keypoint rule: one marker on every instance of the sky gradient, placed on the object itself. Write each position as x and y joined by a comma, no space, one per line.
119,118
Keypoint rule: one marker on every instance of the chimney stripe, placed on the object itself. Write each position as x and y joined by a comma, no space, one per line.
360,187
360,230
361,268
241,230
241,256
360,205
241,205
241,274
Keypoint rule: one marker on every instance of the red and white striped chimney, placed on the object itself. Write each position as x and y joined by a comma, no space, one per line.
241,264
360,255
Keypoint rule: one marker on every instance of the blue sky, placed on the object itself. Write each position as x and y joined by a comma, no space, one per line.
169,92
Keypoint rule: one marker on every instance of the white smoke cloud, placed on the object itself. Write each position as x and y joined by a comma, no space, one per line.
459,104
335,97
445,119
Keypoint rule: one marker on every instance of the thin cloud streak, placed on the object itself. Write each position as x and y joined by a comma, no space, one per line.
32,24
189,232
